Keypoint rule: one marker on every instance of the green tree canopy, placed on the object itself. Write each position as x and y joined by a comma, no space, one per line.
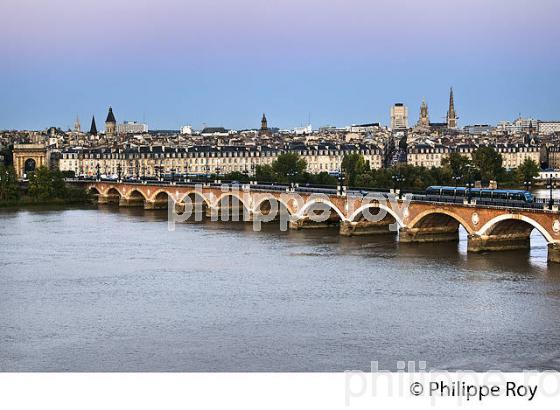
289,166
488,162
354,165
45,184
265,173
528,170
456,164
9,189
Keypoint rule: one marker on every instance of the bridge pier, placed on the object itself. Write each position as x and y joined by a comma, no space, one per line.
151,205
108,199
553,252
363,228
131,202
502,242
429,234
306,223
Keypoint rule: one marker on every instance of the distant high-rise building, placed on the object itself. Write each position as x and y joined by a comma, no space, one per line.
93,128
110,123
451,115
424,119
77,126
399,117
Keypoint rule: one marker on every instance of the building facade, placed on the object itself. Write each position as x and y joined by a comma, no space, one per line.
201,160
513,155
28,157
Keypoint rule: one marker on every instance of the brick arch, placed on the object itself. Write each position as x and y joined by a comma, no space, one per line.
138,191
269,197
91,188
514,223
196,194
218,201
154,195
320,200
439,217
108,191
389,211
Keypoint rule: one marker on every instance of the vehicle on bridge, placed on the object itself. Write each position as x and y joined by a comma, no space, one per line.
483,194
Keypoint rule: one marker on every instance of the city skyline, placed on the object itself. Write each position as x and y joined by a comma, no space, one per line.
225,64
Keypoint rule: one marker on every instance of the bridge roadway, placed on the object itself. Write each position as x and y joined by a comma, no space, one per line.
490,227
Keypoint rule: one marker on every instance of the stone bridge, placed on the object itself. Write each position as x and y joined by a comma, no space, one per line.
489,228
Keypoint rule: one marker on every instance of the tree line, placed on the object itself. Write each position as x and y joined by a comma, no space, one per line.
486,165
44,186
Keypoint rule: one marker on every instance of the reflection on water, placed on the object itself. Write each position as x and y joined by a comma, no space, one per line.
111,289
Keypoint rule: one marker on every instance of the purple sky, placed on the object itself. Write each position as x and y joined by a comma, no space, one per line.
224,62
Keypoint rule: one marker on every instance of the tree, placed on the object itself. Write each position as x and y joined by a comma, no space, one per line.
40,184
456,164
9,189
289,166
265,173
45,184
528,170
353,166
488,162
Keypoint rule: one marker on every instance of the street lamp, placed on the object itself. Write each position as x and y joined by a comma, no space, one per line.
398,179
341,181
218,169
98,172
172,175
290,175
550,186
469,184
119,172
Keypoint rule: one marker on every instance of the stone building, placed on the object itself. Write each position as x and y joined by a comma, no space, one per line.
28,157
201,160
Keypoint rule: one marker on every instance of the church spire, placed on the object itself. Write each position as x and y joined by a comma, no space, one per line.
93,128
451,115
264,123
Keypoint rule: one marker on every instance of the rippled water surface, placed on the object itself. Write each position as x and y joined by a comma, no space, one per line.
111,289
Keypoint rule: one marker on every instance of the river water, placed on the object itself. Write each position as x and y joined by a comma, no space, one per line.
112,289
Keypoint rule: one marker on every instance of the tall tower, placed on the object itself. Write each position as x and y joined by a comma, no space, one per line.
451,115
424,119
93,128
77,126
264,123
110,123
399,117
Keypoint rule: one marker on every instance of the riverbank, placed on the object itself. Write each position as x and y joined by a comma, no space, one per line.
73,197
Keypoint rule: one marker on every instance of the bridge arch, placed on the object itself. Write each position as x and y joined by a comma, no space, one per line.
113,191
232,195
160,195
194,195
512,224
136,193
271,198
319,201
93,190
390,212
439,217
